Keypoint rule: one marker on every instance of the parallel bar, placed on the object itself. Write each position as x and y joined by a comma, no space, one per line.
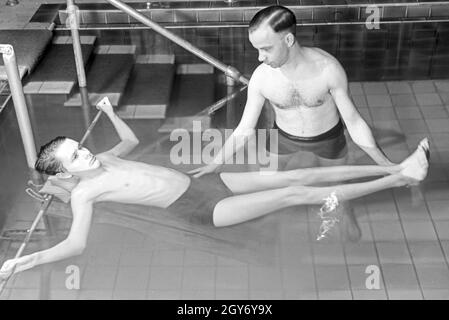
89,130
23,118
73,22
220,103
30,231
39,215
228,70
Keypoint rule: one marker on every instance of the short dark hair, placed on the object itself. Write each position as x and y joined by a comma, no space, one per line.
46,161
279,18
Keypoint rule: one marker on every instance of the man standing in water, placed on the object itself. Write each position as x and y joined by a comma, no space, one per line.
308,90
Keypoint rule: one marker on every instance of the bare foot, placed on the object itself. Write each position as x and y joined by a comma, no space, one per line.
414,168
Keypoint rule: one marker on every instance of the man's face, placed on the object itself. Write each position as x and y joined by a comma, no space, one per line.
74,159
272,47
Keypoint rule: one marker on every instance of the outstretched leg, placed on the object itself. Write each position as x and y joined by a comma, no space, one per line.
242,208
244,182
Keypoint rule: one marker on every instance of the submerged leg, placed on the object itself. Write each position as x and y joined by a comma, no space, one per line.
242,208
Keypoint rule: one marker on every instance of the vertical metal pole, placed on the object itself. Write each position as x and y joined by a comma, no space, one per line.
86,108
15,85
73,21
230,105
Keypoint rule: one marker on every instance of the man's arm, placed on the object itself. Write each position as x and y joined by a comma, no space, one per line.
128,139
245,128
73,245
358,129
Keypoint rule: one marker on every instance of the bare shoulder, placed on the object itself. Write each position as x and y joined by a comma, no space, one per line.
259,74
334,71
84,192
88,191
322,56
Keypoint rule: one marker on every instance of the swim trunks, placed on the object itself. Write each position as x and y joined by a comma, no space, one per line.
197,203
329,145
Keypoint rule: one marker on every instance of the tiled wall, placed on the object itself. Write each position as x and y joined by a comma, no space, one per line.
399,49
307,11
412,41
394,52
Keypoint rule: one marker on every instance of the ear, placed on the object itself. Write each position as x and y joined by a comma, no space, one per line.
290,39
63,175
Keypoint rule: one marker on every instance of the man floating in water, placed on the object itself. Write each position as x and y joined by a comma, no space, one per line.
234,198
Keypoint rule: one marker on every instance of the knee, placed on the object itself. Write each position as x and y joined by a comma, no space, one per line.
219,216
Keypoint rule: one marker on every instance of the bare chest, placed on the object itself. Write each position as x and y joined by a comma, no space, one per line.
307,92
132,184
141,184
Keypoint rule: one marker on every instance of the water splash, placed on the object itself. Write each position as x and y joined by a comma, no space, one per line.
329,216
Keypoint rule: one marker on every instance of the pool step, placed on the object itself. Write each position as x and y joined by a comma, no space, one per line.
29,47
194,90
56,73
107,75
149,88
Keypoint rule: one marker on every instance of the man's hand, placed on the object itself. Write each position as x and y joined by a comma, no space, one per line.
105,106
198,172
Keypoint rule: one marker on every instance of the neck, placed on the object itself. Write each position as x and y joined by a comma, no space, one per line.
89,174
296,59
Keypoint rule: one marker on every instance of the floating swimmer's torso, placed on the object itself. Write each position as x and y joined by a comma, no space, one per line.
302,102
139,183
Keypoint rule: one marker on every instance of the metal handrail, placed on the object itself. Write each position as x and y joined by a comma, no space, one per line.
3,85
77,51
15,85
228,70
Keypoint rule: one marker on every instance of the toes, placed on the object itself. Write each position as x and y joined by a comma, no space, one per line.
425,141
426,151
425,145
